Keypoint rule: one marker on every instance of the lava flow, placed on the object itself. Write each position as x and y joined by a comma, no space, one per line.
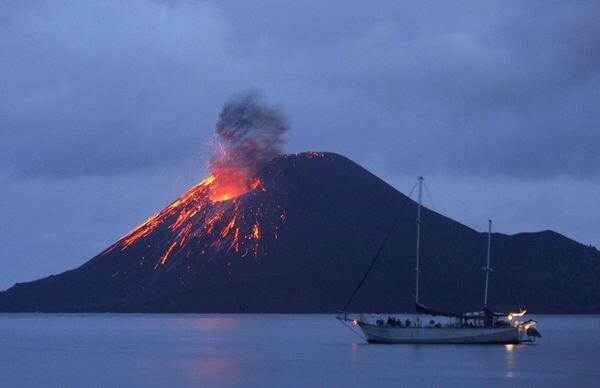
231,210
199,223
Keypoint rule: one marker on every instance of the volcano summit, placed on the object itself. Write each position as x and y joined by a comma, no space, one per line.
299,240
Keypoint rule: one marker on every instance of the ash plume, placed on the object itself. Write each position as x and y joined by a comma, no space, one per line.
248,135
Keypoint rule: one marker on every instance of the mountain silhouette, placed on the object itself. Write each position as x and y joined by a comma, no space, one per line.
300,241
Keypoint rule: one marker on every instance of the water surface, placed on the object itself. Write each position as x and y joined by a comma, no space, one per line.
276,350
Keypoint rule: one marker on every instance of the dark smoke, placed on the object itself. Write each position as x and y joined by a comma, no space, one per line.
249,134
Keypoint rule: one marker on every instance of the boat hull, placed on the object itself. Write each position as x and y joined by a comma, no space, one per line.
444,335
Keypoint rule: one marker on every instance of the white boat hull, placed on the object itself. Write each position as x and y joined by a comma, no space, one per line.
443,335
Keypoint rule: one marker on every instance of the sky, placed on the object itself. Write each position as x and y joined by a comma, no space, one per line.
107,108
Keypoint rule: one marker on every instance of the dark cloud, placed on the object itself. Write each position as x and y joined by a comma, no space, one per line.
480,89
486,89
103,89
491,94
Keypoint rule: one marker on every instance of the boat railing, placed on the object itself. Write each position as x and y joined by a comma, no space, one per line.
392,321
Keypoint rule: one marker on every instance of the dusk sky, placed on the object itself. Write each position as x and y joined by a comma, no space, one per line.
107,108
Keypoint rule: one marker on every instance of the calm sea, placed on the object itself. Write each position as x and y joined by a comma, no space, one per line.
276,350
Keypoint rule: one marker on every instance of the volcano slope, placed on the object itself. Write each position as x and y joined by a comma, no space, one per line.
300,241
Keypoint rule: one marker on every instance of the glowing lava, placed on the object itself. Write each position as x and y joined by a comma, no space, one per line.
228,183
211,217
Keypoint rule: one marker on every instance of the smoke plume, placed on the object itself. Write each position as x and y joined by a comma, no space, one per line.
248,135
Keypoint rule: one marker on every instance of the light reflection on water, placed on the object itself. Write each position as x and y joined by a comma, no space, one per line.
509,360
276,350
216,323
217,368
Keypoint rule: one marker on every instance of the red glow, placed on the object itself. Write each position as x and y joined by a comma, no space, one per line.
229,184
210,214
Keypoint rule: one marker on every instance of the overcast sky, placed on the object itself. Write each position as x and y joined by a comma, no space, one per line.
106,108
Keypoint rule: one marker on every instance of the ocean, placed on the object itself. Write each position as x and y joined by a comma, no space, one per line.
204,350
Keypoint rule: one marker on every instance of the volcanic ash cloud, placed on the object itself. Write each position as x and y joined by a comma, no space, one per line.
248,135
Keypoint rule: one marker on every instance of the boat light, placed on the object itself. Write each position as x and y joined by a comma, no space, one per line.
519,314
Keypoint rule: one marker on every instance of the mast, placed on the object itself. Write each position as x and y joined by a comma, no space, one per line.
417,270
487,268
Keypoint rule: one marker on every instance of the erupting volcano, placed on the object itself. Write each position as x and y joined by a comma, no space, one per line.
267,232
231,210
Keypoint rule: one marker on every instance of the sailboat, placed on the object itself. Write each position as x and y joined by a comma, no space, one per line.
429,326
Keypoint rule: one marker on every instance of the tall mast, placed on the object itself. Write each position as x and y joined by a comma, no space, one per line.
487,268
417,270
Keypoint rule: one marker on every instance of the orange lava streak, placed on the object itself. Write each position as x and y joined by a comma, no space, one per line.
210,224
207,181
185,234
141,231
236,242
163,259
227,228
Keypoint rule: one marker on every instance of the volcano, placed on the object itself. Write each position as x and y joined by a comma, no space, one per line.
300,240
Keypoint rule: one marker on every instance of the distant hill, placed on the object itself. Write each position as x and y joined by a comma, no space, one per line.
300,241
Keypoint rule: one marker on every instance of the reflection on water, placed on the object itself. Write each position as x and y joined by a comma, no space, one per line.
217,368
215,323
509,349
242,350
